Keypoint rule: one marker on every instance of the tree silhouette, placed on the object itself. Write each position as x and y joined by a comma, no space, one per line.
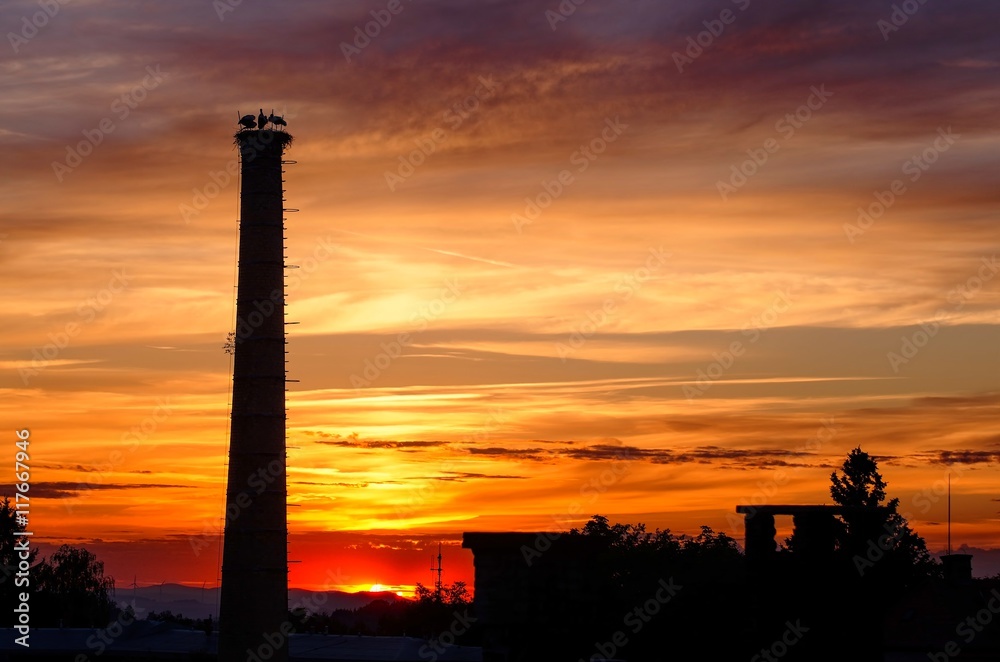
879,541
432,613
72,589
454,594
634,542
861,485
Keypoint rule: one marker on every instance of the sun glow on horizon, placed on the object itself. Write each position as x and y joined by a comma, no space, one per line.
399,590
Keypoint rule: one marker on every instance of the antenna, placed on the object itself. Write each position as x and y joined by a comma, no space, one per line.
438,586
949,513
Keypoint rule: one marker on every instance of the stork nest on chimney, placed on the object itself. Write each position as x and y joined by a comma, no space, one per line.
262,137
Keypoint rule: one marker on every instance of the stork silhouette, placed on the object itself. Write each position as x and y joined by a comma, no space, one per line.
276,120
261,119
247,121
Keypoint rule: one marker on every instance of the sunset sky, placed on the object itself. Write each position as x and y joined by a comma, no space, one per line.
608,261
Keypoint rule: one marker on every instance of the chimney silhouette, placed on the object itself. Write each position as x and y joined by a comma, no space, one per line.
253,613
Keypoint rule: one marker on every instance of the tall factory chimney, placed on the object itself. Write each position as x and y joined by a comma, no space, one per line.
253,612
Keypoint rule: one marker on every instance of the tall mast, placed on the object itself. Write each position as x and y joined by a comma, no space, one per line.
949,514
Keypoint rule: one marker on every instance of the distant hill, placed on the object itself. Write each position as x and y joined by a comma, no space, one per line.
195,602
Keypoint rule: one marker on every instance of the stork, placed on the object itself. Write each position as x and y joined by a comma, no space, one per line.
275,120
246,121
261,119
